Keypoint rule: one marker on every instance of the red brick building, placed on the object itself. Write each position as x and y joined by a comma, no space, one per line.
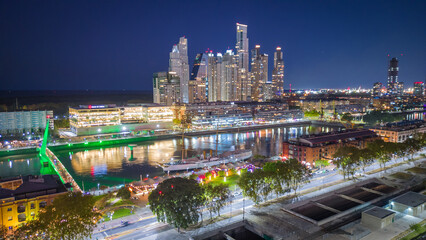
310,148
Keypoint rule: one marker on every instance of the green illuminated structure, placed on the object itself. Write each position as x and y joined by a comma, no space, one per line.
46,164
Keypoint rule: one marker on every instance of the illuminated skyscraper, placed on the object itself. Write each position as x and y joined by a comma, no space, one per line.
242,46
393,83
159,87
229,75
377,90
418,88
178,63
243,80
278,73
259,73
198,83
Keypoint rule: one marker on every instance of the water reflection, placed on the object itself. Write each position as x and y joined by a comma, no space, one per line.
117,165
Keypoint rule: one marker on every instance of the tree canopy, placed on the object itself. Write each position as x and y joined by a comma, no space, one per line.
70,216
176,201
216,197
278,177
124,193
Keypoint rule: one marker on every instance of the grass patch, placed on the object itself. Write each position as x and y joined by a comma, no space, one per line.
417,170
415,234
401,175
119,213
122,202
230,180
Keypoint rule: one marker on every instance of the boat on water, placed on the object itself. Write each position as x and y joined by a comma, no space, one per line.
196,163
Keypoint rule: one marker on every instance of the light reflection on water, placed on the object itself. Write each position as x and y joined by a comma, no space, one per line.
116,165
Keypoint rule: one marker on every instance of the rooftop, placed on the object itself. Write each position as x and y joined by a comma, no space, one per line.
335,136
411,199
379,212
33,186
402,126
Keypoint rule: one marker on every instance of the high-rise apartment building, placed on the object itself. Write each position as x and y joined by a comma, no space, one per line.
400,88
232,87
418,89
259,73
213,78
278,73
25,121
178,64
393,85
242,52
377,90
199,83
242,46
166,88
173,92
159,87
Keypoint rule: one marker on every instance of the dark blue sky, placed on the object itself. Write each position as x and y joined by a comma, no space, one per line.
114,45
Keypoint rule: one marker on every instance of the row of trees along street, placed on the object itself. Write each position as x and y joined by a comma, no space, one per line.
275,177
180,201
348,159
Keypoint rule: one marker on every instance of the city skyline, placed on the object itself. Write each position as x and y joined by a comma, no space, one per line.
320,43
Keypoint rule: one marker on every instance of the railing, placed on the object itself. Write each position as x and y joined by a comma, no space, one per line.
62,170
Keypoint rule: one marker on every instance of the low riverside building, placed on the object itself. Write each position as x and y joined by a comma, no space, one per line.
307,149
22,197
377,218
27,122
109,118
400,131
410,203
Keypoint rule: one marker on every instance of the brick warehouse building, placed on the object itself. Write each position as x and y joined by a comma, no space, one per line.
310,148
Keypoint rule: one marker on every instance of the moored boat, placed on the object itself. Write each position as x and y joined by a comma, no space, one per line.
196,163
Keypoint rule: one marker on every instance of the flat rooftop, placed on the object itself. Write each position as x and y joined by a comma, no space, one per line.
411,199
402,126
379,212
33,186
323,208
334,136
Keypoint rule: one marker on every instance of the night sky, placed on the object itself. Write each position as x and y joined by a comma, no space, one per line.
115,45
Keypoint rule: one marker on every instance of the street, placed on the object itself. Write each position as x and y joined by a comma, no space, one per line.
148,226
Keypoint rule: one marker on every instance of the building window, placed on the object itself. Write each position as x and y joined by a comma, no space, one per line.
21,208
10,218
22,217
9,209
32,205
42,204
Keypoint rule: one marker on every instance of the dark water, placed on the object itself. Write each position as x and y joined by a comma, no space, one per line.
115,165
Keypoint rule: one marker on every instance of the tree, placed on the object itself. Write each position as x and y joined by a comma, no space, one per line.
366,157
70,216
177,201
216,196
250,184
382,151
321,163
3,232
297,172
412,146
346,158
347,117
312,114
124,193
